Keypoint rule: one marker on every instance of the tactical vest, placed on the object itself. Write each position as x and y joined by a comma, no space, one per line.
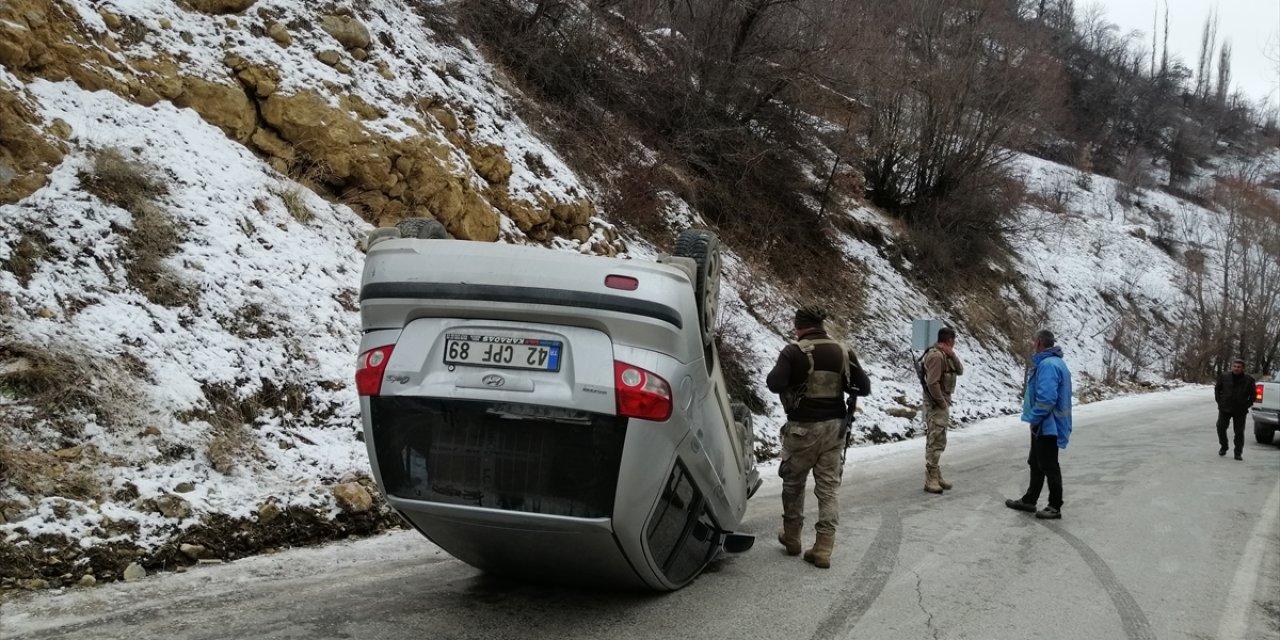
948,381
818,384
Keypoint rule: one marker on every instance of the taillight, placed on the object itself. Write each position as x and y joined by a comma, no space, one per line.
626,283
641,394
369,369
1257,393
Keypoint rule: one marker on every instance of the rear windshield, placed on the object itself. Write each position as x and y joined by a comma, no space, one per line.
517,457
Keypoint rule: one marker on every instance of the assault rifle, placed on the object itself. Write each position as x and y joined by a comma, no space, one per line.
846,430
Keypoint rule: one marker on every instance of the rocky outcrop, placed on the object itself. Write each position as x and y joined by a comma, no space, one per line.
394,178
348,31
171,506
280,34
260,80
491,163
352,497
220,6
222,105
133,573
40,38
27,154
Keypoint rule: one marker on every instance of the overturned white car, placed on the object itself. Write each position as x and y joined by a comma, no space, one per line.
550,415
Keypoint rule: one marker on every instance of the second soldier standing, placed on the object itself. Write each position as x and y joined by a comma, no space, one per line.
941,366
812,376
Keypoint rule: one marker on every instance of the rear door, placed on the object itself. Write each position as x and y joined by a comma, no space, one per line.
503,415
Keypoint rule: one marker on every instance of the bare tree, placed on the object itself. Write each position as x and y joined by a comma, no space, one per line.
1224,73
1164,55
1208,43
948,98
1233,298
1251,297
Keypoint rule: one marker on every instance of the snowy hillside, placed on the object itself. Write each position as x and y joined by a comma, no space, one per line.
178,298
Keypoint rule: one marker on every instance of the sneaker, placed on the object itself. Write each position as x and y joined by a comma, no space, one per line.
1239,456
1049,513
1222,451
1020,505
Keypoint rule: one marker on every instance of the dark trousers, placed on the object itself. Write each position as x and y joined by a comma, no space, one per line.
1237,423
1044,466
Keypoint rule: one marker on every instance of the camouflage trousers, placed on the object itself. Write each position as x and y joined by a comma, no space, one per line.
816,447
936,421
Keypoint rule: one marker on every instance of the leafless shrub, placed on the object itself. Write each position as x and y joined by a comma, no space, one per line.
958,236
715,123
738,376
1239,314
1131,177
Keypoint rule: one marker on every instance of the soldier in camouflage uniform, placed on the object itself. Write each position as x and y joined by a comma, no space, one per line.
812,376
940,368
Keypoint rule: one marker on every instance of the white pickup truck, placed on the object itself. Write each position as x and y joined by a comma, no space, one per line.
1266,409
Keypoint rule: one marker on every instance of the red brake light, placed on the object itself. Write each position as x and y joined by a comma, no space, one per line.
1257,393
626,283
369,369
640,393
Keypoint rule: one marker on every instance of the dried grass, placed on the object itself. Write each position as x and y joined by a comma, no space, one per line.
295,203
23,262
153,237
121,181
39,474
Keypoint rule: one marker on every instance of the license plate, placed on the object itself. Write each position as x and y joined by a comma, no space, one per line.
475,350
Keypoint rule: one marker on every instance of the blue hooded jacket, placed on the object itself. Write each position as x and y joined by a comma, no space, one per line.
1047,402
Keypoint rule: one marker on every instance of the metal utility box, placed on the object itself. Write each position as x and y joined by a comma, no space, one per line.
924,332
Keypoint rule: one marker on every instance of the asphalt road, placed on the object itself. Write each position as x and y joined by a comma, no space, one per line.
1160,538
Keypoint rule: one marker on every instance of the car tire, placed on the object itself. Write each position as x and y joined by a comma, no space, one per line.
422,229
1264,435
704,247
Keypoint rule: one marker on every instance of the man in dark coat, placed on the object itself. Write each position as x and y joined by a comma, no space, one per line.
813,375
1234,394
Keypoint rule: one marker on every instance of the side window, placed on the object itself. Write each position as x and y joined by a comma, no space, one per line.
695,550
682,535
669,520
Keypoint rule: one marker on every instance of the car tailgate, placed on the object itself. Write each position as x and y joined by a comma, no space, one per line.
503,361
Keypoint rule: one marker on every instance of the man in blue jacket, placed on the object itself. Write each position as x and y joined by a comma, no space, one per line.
1046,406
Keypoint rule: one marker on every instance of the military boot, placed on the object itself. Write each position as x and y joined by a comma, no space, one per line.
789,536
941,481
931,480
820,554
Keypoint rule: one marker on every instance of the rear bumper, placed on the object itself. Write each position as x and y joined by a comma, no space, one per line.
1266,417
